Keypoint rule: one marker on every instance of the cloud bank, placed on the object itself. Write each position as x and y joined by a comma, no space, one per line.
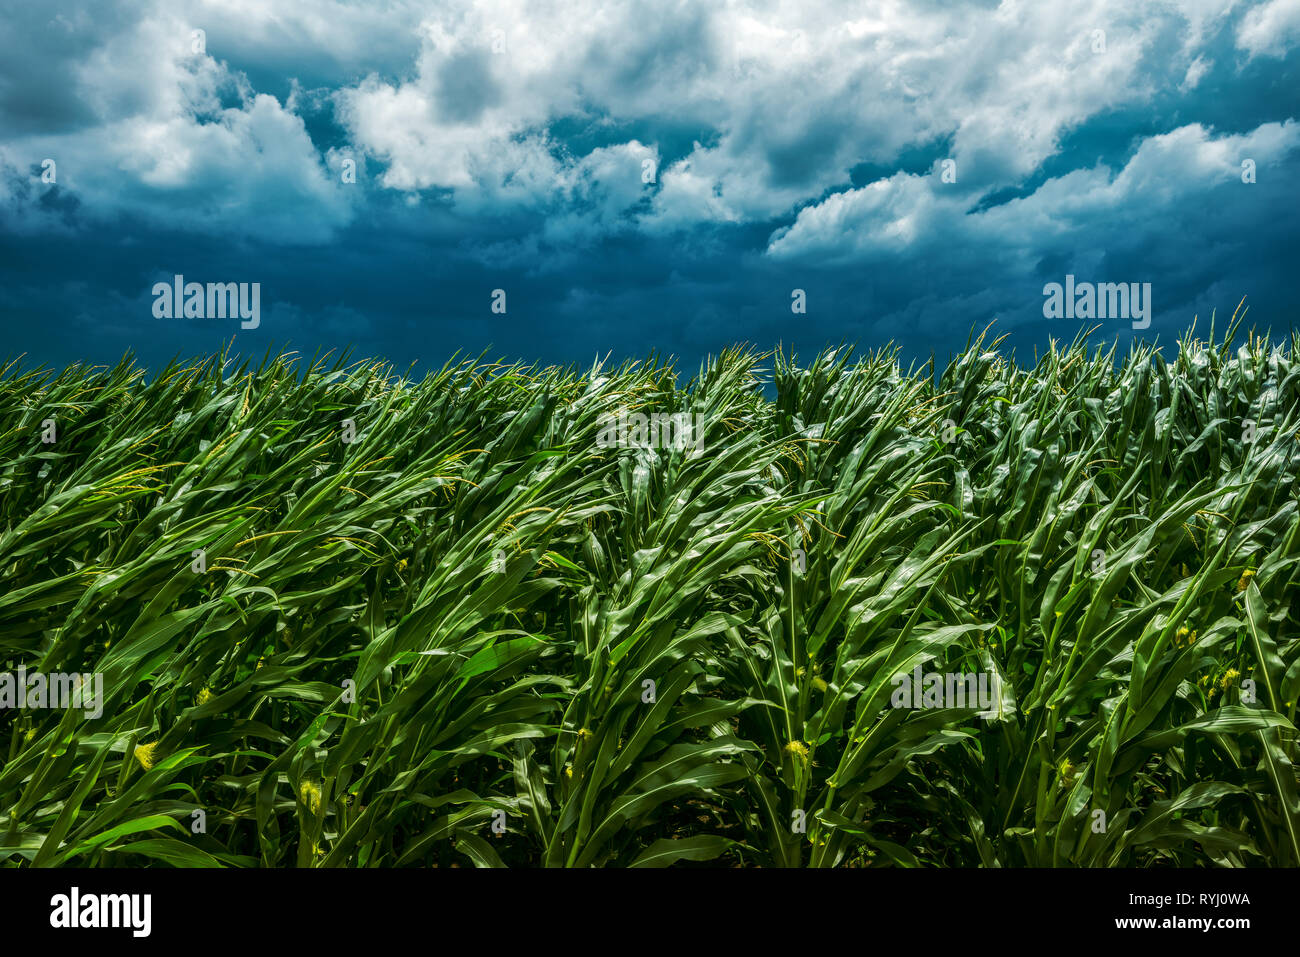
648,175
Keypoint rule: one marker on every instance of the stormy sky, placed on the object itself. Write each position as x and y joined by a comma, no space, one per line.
639,177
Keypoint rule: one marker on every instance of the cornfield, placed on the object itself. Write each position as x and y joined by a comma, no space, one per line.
346,617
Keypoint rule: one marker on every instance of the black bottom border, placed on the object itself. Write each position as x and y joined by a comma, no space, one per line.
338,907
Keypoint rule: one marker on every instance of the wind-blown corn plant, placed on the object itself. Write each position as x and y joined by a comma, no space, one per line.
346,617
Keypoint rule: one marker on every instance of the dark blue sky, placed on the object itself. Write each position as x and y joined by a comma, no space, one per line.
505,145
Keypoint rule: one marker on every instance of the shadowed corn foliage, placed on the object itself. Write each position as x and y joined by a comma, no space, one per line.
451,621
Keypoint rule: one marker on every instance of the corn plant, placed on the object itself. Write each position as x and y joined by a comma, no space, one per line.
350,617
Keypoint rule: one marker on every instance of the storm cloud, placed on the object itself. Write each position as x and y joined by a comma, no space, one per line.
639,176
